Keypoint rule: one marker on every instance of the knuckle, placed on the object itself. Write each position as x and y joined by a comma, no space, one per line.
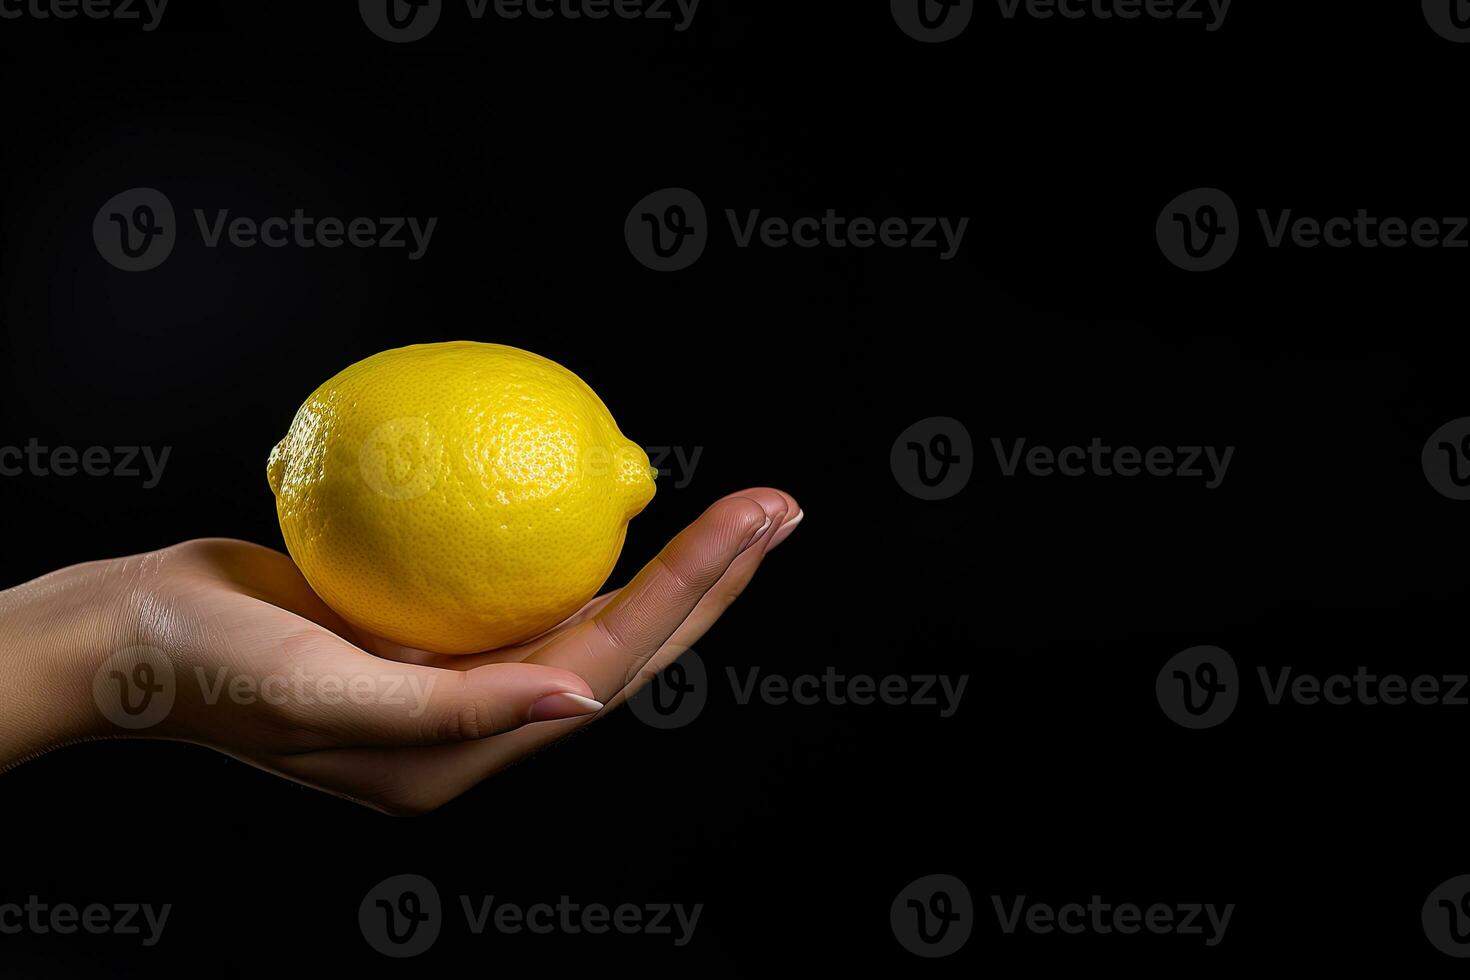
743,512
614,631
682,581
467,721
640,674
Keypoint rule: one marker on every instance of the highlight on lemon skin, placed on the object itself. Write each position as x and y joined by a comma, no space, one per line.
456,497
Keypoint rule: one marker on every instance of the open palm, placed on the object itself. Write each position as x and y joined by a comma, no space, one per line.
406,730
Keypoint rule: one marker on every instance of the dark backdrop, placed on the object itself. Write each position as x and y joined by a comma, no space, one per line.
1325,547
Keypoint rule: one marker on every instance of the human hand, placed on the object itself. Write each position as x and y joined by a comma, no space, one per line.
257,666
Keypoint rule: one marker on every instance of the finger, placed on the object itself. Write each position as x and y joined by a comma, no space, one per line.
761,495
714,604
592,608
523,651
415,780
609,649
468,661
390,780
348,698
273,577
771,501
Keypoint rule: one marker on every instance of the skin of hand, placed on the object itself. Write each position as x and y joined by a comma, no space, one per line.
264,671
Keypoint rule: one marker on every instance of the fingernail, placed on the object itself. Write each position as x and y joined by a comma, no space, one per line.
756,534
785,530
562,705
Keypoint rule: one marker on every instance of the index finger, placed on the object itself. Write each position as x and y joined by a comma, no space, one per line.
609,649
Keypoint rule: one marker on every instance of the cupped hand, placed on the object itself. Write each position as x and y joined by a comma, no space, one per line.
261,669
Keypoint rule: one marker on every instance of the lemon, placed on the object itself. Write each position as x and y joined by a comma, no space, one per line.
456,497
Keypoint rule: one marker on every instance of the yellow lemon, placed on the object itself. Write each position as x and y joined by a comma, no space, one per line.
456,497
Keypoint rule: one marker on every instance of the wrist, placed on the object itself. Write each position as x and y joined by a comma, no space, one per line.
57,633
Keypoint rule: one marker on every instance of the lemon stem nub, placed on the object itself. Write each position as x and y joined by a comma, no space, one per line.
275,467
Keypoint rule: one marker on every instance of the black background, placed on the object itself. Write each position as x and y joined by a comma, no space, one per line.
1059,777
